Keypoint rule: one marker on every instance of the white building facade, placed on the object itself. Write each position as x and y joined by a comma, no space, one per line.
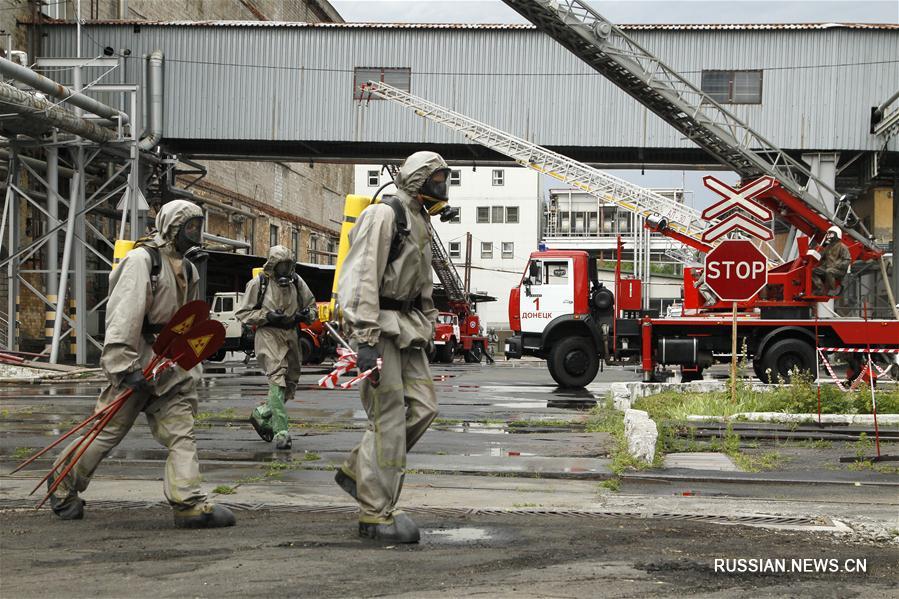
501,207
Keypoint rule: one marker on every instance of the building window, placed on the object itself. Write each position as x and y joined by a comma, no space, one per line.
295,243
498,214
457,218
455,250
512,214
313,249
272,235
455,177
487,250
483,214
508,249
400,78
733,87
499,176
374,179
332,251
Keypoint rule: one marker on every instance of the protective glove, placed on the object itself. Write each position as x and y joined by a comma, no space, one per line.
274,318
309,314
431,348
367,357
137,382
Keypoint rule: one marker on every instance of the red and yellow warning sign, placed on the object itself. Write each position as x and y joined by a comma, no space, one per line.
198,344
184,325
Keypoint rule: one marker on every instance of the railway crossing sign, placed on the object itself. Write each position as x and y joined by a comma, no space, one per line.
739,200
736,270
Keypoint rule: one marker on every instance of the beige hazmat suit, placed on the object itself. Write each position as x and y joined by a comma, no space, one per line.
402,406
277,349
172,404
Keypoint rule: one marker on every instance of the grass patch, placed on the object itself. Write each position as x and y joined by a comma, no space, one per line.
446,421
807,444
603,418
21,453
611,484
526,505
800,397
224,490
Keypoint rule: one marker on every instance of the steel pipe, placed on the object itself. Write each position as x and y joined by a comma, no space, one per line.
40,109
57,90
154,106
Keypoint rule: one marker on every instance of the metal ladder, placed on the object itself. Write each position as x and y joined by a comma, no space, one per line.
598,42
446,270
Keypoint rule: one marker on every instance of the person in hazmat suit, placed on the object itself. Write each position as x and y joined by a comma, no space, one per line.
385,292
145,290
833,263
275,311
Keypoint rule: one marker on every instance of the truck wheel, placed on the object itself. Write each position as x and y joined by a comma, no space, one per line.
218,356
785,356
307,349
759,371
475,354
574,362
688,376
447,352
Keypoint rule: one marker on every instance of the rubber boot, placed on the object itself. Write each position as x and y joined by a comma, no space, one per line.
261,419
346,482
279,420
69,508
400,530
282,440
204,515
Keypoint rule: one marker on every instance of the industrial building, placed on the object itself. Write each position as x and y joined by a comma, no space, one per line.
290,93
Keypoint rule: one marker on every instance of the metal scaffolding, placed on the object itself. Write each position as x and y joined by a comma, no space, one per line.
54,143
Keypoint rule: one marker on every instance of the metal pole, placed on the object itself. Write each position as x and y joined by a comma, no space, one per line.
11,219
66,258
53,240
895,281
733,357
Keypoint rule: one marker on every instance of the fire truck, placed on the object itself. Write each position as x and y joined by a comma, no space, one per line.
562,313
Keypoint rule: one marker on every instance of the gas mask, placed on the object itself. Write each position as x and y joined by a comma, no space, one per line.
283,273
434,192
190,235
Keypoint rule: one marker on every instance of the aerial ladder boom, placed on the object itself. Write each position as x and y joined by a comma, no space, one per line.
607,49
674,219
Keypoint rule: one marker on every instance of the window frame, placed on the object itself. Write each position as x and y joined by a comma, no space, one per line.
486,254
731,83
454,249
517,214
455,178
501,211
498,177
507,254
486,220
274,234
358,94
373,175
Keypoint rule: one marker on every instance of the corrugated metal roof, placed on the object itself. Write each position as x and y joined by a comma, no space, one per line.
489,26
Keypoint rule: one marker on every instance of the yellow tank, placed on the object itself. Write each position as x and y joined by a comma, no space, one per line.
257,271
122,247
352,208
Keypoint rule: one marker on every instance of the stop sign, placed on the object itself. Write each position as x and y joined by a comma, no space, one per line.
736,270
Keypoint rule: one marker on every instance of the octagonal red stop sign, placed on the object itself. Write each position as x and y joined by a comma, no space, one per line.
736,270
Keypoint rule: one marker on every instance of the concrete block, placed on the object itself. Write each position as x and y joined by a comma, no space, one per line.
641,434
621,396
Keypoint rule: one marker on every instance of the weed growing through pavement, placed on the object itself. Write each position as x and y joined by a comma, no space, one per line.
224,490
21,453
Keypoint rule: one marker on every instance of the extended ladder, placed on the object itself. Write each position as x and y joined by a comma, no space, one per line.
598,42
607,188
446,270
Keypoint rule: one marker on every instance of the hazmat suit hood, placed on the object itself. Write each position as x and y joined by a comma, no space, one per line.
416,169
174,214
278,254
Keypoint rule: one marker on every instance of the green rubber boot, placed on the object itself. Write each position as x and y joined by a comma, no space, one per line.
279,420
261,419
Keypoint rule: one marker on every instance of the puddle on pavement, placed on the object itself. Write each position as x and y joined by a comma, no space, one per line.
457,536
477,427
